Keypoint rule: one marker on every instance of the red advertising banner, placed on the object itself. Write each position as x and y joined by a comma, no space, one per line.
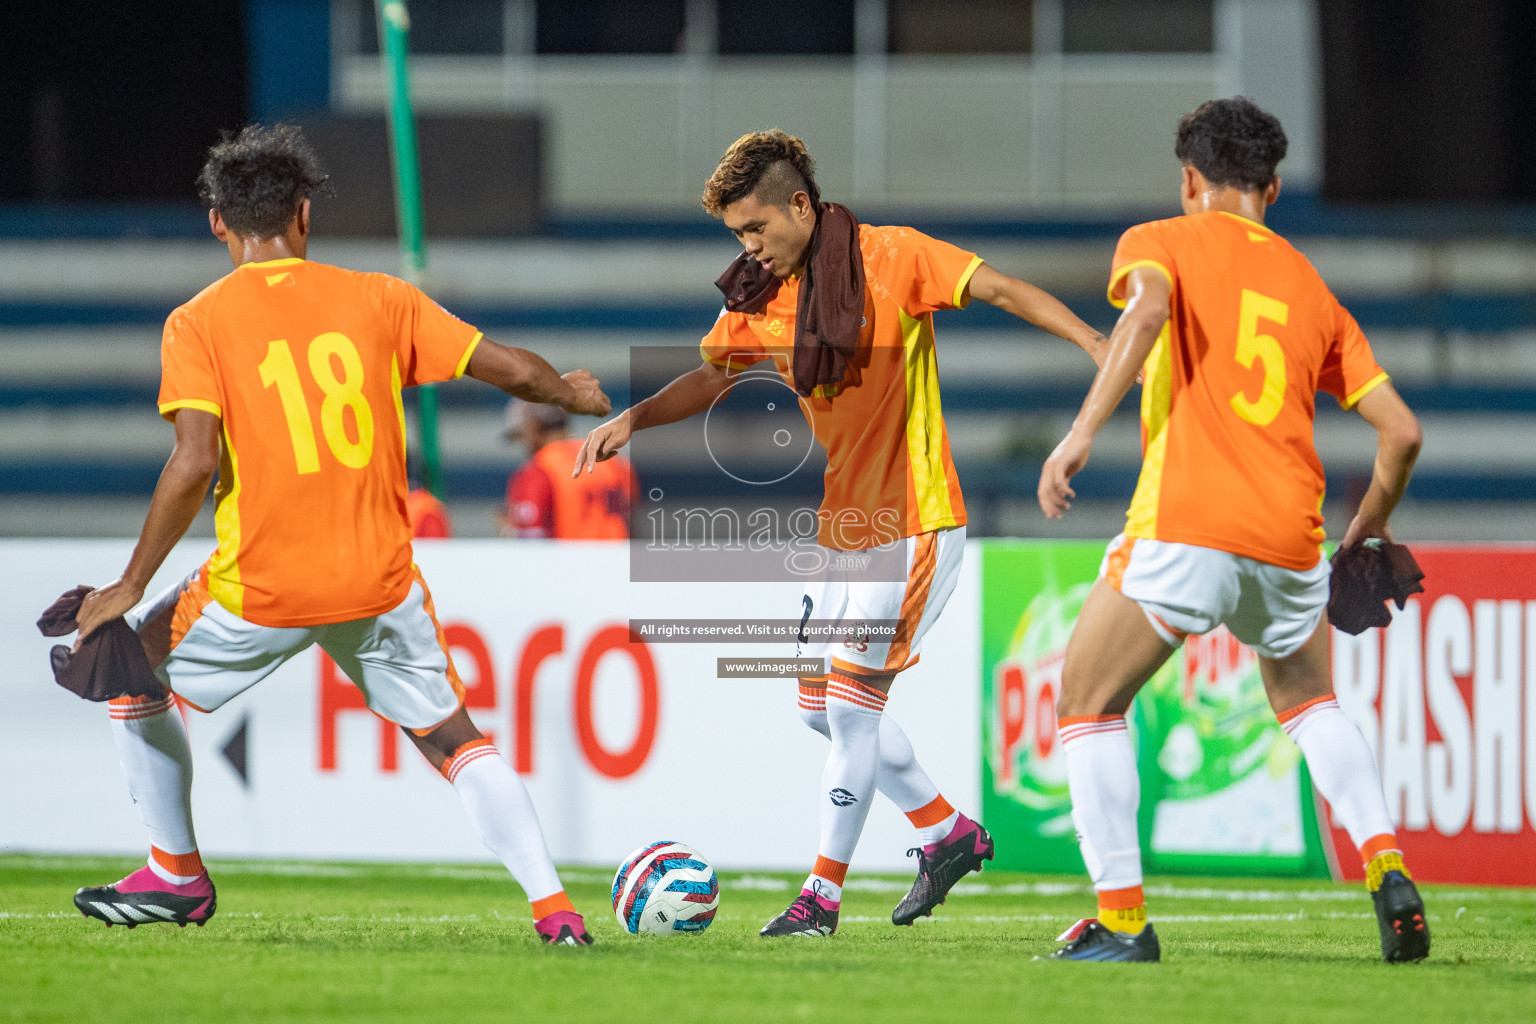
1447,698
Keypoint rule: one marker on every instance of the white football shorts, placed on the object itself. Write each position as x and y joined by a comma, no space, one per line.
1186,589
398,659
933,567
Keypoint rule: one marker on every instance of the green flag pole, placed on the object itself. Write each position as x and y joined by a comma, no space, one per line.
394,35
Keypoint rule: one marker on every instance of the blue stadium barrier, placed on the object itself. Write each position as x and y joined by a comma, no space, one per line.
1460,311
1298,213
982,482
1000,397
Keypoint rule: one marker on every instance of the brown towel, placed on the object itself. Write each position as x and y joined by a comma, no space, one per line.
830,313
111,661
1364,578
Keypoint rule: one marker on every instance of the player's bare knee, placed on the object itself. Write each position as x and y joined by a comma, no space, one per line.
155,637
1094,695
1073,705
1290,685
1305,674
882,681
439,744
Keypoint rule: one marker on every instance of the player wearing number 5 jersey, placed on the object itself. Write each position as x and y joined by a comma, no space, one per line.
286,376
1234,334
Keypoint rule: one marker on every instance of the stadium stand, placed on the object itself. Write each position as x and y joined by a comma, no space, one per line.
1063,141
1452,320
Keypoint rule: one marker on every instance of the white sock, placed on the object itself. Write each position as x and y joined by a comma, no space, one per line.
903,780
899,776
848,781
1342,767
824,887
499,808
1106,791
157,760
812,705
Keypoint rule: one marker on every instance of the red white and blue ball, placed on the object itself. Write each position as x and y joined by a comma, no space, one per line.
665,889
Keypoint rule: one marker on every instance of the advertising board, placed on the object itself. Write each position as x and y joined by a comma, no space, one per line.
619,743
1222,787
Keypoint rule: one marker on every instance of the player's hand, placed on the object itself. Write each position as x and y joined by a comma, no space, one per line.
1067,460
1362,529
589,399
1097,347
102,606
603,443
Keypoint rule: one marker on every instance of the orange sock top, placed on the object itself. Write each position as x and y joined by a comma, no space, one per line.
1378,845
185,865
465,753
832,870
551,905
931,813
1123,910
1381,855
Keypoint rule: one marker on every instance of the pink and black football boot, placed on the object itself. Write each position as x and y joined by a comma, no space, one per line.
146,898
811,914
563,928
940,865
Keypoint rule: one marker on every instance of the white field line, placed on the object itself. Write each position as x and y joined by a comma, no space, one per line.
768,883
1302,916
1155,918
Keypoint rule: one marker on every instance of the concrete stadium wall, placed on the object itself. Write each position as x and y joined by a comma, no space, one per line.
1048,129
645,133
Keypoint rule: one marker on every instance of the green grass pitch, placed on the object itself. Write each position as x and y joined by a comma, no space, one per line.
308,942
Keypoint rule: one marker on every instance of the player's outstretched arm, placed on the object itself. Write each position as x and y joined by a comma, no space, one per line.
1039,307
1135,333
1398,439
179,494
524,374
686,396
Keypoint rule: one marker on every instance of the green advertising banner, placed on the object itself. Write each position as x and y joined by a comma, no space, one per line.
1223,789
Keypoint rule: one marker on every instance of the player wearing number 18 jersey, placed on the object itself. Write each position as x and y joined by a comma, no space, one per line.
1234,334
285,376
304,364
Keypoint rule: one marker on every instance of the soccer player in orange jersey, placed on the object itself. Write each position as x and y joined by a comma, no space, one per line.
889,479
284,377
1234,333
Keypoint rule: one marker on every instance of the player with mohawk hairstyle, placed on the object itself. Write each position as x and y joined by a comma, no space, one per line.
845,311
284,377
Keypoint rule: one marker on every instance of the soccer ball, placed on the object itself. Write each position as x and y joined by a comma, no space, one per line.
665,888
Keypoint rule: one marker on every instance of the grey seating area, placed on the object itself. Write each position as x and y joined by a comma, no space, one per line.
80,441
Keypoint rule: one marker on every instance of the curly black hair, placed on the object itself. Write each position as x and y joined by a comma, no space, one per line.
1232,142
257,178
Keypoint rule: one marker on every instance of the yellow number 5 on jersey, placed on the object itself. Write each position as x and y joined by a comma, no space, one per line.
341,393
1251,345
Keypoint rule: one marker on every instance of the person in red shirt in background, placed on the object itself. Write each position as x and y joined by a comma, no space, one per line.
543,500
429,516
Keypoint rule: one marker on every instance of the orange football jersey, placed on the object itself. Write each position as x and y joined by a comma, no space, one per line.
544,500
304,363
1227,402
889,472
